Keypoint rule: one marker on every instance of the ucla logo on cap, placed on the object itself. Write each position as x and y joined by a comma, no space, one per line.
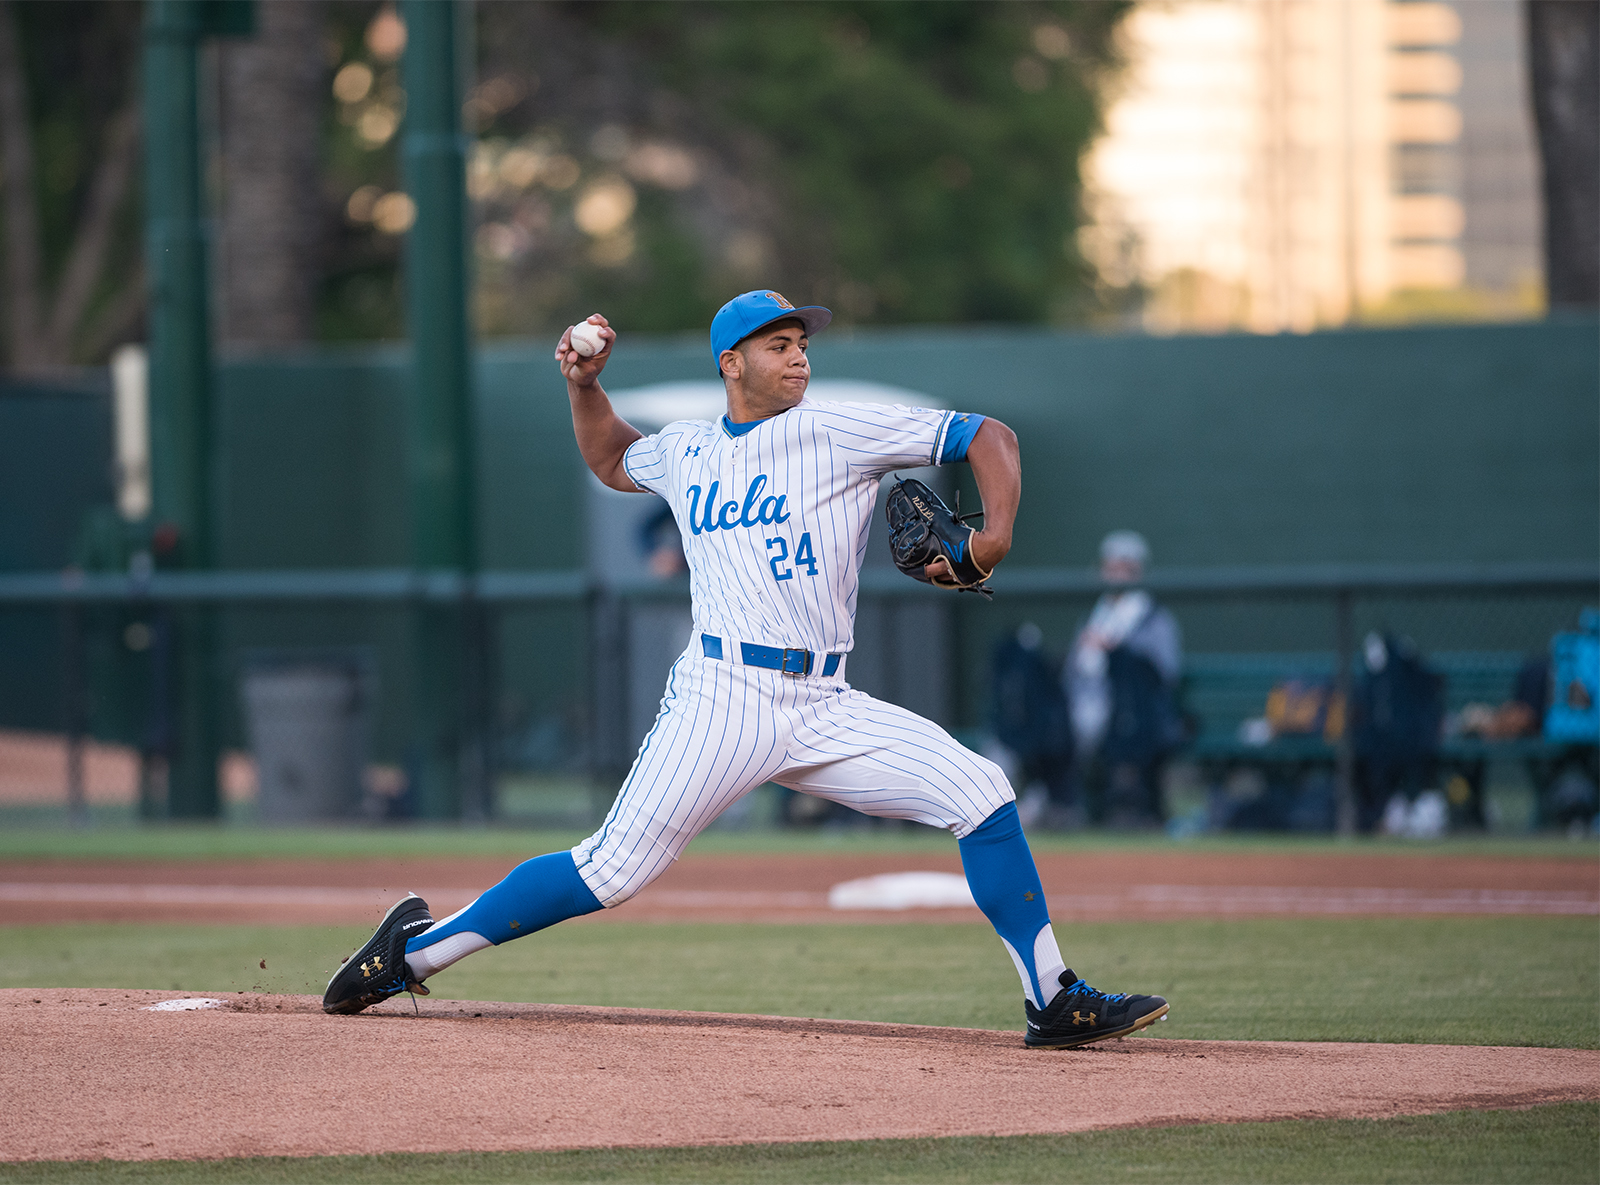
777,297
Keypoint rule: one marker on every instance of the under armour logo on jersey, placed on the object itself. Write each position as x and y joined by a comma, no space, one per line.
692,451
778,300
770,509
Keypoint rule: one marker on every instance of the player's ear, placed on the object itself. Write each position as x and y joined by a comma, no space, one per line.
732,364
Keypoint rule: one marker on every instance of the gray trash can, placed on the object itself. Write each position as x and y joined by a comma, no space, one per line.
309,720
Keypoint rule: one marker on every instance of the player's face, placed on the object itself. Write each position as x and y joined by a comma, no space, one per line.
1121,571
776,369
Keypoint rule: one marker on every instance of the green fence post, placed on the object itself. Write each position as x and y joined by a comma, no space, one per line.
450,769
1344,646
181,371
181,376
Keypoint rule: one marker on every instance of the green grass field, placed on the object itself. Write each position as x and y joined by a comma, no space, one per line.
1392,979
1315,979
1542,1145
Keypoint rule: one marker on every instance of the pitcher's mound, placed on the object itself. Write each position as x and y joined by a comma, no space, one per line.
92,1074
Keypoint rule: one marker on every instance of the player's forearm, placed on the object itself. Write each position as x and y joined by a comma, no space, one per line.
996,464
603,436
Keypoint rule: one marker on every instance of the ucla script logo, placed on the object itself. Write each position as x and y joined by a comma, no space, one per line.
753,511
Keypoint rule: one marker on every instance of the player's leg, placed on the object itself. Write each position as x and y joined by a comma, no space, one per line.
721,733
883,760
701,755
534,895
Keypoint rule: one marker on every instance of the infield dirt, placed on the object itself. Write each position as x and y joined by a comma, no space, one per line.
794,888
93,1074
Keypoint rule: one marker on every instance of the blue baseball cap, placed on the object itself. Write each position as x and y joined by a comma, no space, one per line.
743,315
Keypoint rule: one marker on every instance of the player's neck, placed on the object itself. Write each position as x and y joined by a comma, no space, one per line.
744,409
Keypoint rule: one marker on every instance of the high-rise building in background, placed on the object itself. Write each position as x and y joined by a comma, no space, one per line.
1282,165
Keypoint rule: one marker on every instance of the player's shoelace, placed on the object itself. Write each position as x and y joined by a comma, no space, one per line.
401,983
1081,988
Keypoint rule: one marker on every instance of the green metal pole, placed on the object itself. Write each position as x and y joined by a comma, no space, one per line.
181,374
450,769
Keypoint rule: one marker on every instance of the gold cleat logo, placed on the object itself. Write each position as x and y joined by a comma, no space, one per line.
369,970
1081,1018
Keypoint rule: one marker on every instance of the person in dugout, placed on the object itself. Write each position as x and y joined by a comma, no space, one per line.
1121,678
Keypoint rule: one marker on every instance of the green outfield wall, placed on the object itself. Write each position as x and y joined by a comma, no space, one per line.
1449,444
1457,444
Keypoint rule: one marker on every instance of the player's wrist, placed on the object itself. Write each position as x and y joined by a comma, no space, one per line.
989,549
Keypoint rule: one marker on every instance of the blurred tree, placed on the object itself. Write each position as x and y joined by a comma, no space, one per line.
901,160
360,295
1564,73
69,136
274,216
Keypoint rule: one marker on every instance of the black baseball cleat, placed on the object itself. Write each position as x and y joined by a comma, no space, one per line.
1079,1015
378,968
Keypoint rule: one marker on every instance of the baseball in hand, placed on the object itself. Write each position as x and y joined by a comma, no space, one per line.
586,339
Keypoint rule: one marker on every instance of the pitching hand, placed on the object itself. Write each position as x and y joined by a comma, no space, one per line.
578,368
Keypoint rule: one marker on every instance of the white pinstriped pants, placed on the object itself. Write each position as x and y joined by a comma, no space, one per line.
724,729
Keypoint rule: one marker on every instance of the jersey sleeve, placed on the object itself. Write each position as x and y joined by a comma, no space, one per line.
645,463
882,437
958,436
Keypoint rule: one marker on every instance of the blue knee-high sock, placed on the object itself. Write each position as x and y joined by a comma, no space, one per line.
535,894
1005,884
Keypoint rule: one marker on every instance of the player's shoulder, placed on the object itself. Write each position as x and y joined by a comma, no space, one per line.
853,425
844,412
690,427
685,430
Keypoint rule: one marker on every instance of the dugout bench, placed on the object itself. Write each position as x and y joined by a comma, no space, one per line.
1221,693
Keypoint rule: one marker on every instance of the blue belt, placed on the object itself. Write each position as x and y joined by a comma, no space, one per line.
775,658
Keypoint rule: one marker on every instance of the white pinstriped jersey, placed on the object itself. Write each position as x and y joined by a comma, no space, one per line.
775,520
775,523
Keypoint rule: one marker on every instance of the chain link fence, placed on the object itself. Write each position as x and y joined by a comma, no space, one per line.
573,673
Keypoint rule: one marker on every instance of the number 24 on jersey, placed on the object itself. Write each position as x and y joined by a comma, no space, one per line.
778,557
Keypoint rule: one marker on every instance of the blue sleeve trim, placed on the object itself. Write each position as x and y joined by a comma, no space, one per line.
939,438
963,427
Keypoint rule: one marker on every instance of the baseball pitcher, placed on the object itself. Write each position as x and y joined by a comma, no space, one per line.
774,501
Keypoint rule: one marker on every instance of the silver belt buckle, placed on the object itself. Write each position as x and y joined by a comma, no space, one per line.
805,662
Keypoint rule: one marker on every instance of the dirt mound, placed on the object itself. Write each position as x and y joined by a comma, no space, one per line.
97,1073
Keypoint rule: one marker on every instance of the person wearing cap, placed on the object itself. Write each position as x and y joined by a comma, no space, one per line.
1121,678
773,501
